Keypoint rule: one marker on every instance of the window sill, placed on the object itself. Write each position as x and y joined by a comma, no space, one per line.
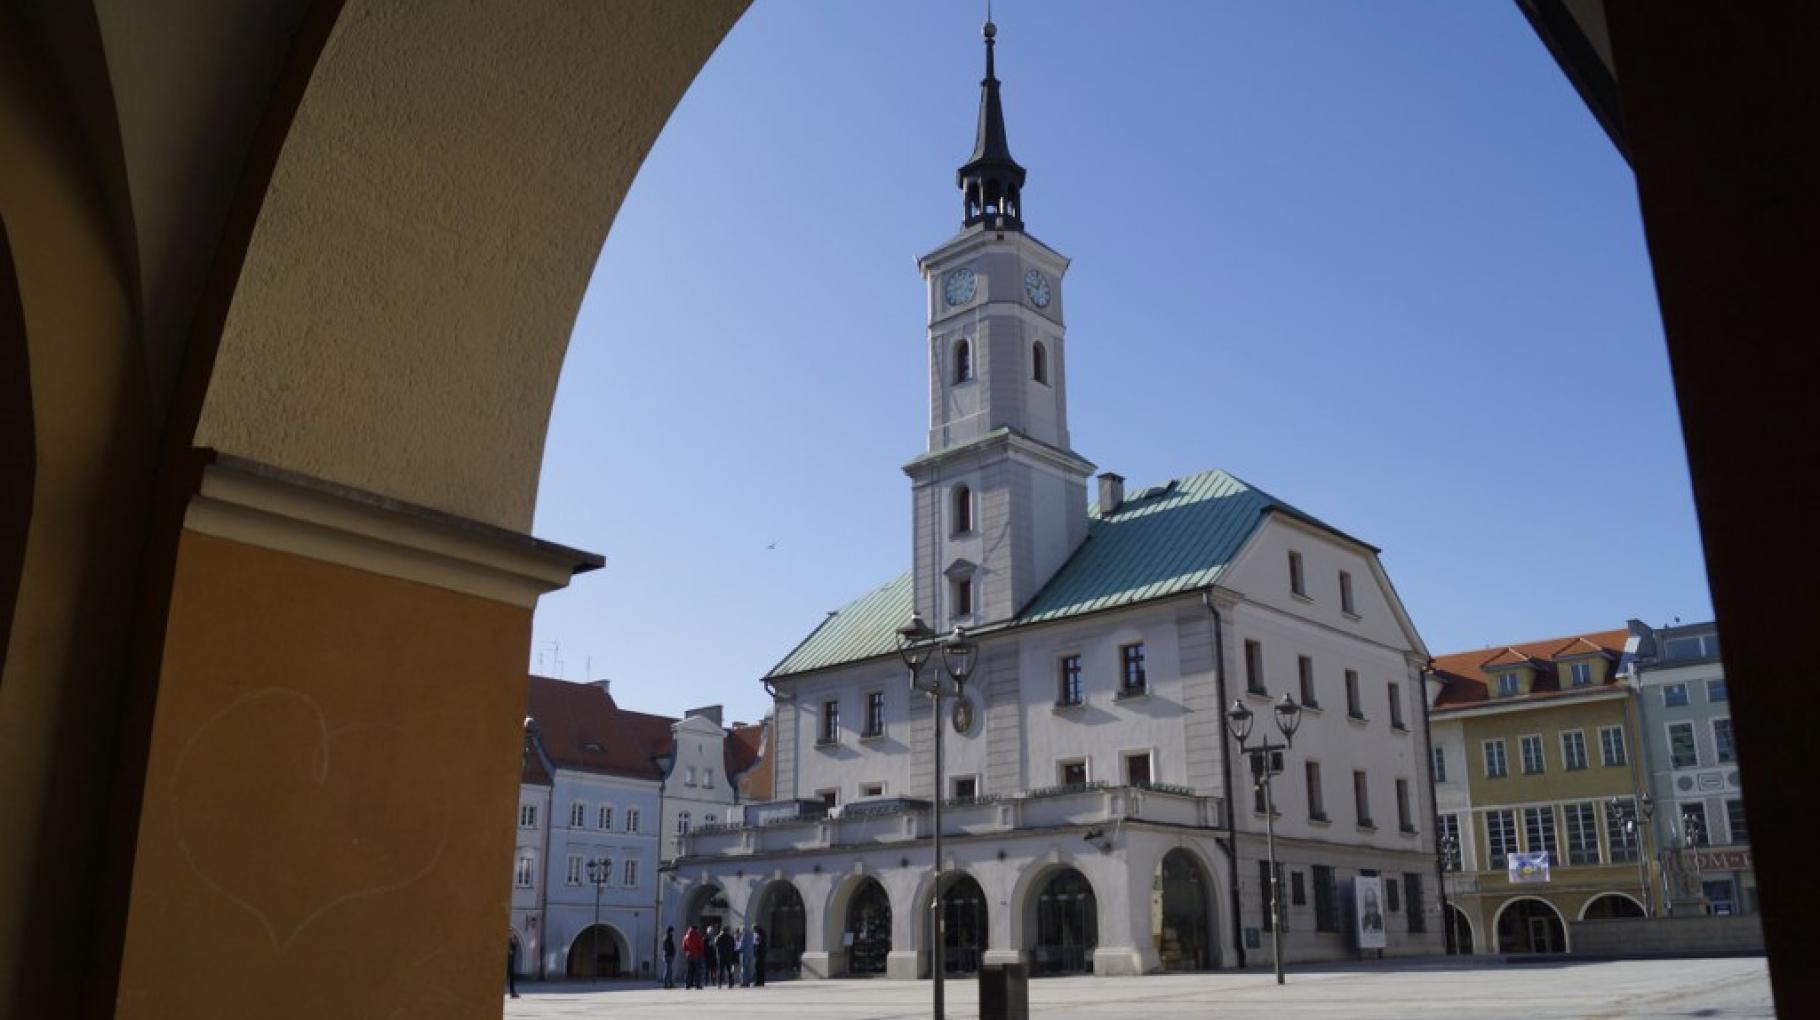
1255,813
1321,820
871,738
1313,706
1497,775
1534,772
1357,719
1065,707
824,744
1366,826
1299,597
1397,727
1260,695
1350,615
1136,694
1408,830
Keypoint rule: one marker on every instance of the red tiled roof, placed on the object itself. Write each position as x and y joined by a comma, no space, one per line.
580,727
746,759
1463,673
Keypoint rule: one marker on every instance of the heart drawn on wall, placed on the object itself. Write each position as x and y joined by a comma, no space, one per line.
323,808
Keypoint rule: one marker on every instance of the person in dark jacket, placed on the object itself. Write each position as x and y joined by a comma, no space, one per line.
669,957
512,967
758,954
729,962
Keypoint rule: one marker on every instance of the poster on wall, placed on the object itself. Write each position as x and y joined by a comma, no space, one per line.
1368,896
1530,867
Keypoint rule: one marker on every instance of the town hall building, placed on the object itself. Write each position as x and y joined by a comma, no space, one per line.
1098,817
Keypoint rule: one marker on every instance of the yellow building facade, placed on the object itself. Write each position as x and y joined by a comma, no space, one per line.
1537,753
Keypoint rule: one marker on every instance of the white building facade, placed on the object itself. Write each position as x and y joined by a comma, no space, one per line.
1099,818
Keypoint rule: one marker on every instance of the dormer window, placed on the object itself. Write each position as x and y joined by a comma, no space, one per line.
1509,685
963,362
963,510
1581,673
1039,363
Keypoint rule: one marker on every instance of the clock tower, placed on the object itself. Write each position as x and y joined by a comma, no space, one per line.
1000,498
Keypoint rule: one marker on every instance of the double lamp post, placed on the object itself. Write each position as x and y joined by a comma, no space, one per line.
1263,754
916,643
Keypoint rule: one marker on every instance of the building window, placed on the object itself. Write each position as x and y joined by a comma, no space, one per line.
1072,772
521,877
829,798
578,815
830,731
606,816
707,777
1532,755
1501,837
1418,907
1317,804
631,819
1496,767
1298,889
689,776
1439,756
1131,668
1697,646
1734,820
1581,673
1354,707
875,714
1305,676
682,824
1069,692
963,361
1696,828
1361,799
1509,685
1723,748
1396,706
1453,851
1674,695
872,789
1254,667
1681,751
1539,829
1326,917
1346,605
962,516
630,877
963,596
1582,833
1393,896
1611,745
527,816
709,820
1573,749
966,787
1622,838
1405,823
574,874
1715,691
1039,363
1297,584
1137,768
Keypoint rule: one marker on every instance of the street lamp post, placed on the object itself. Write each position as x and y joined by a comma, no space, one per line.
1238,722
597,876
1634,823
1449,848
916,644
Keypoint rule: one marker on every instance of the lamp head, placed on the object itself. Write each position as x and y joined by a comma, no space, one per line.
914,643
959,656
1238,720
1289,717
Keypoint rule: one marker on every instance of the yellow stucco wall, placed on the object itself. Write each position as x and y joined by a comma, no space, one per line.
321,833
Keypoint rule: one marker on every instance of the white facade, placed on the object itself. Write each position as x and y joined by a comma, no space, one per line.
611,819
528,880
696,789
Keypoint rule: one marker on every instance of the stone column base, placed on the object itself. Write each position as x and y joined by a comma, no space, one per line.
1117,961
999,957
903,964
818,966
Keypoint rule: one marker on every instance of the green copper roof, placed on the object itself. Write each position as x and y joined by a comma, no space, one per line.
1167,539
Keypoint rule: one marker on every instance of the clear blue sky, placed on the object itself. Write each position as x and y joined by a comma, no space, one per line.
1375,258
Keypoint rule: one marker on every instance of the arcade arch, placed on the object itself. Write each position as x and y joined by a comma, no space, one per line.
597,951
1530,925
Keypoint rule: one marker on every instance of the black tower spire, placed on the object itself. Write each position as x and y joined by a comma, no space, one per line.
992,184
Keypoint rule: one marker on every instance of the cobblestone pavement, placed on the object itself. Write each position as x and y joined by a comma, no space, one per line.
1725,989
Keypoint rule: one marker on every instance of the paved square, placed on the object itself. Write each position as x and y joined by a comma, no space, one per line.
1730,989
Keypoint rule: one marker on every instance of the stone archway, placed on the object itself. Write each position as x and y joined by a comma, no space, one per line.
1462,929
1065,912
1611,905
706,906
1530,925
780,910
866,927
966,918
1183,928
597,951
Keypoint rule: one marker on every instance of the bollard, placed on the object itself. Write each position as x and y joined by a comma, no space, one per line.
1005,991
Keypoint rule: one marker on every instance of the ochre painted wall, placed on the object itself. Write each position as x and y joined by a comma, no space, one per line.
332,757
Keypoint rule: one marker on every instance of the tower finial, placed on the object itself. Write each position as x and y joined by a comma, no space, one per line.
991,182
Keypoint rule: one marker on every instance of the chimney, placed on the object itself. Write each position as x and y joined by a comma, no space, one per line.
1112,493
604,685
708,712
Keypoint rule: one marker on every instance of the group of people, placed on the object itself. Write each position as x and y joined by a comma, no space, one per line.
724,958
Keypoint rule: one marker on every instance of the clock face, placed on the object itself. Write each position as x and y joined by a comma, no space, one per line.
1037,287
959,287
963,715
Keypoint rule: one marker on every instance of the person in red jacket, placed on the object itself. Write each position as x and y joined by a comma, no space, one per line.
692,952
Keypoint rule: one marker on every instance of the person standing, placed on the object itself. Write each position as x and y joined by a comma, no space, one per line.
692,954
745,957
670,957
724,951
512,968
758,954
